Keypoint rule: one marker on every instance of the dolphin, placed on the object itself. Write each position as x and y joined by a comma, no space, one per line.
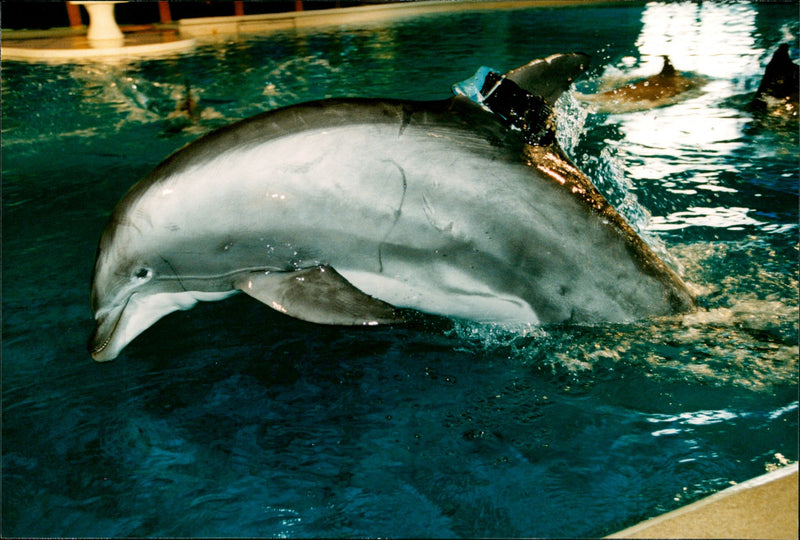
665,88
367,211
777,93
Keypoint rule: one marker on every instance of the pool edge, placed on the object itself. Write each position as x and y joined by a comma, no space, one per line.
19,45
762,507
245,24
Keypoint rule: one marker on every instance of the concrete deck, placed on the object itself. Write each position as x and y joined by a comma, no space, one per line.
64,46
764,507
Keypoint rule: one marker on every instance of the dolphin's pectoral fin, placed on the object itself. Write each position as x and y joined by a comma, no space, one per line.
319,295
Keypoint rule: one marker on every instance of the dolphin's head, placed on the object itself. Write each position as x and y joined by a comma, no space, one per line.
128,292
134,284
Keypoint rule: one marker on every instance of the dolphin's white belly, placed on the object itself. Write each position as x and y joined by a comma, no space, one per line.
455,293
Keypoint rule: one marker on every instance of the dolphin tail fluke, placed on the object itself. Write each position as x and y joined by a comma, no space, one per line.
319,295
550,77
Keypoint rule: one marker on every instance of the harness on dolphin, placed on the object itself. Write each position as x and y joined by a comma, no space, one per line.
520,109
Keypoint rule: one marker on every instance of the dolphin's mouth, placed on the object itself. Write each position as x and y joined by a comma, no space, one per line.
104,331
119,325
96,344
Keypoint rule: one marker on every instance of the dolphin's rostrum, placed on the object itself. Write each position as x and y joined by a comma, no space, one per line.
353,211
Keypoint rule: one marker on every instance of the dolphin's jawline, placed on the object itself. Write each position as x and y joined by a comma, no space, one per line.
141,312
96,349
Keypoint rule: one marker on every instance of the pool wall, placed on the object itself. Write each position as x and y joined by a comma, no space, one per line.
209,26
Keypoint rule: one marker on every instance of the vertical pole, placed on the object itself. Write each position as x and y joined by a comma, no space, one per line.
163,11
238,8
74,14
298,5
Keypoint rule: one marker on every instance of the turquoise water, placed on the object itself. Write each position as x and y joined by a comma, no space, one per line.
230,419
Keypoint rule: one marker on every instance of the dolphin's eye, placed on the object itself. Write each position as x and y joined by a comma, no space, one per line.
142,273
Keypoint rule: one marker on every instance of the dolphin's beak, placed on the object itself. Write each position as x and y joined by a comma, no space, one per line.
119,325
102,345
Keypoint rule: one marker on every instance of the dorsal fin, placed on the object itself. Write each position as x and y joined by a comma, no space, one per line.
524,97
780,76
188,104
548,78
522,110
668,70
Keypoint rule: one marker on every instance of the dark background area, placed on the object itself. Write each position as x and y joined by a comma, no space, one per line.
42,15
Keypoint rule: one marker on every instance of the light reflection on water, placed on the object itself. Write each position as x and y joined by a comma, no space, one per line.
724,217
242,422
683,146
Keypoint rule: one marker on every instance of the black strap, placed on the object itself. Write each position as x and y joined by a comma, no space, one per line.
519,108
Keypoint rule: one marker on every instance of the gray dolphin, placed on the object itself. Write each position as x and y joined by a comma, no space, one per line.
664,88
349,211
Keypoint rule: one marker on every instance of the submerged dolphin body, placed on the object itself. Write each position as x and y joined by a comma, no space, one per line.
665,88
342,211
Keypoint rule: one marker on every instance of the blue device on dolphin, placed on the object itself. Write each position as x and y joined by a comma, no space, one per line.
521,110
471,87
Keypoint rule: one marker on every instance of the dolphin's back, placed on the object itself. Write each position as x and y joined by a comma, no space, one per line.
455,114
458,119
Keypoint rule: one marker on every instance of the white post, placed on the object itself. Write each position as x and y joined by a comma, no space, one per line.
102,24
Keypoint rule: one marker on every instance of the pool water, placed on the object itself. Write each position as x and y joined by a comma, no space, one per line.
233,420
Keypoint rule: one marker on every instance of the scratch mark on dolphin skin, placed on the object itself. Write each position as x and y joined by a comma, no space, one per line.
142,217
397,213
180,281
303,168
430,214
